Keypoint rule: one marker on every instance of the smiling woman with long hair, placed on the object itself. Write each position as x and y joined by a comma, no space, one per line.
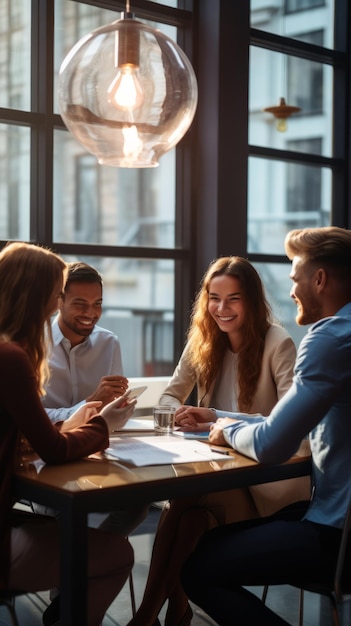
238,359
31,281
209,337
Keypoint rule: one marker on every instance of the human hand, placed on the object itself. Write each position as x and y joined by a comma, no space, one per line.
118,412
188,417
109,388
216,431
81,416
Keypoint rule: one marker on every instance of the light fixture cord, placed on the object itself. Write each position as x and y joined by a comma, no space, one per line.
284,57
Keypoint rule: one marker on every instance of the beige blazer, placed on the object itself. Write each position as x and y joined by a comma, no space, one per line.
275,379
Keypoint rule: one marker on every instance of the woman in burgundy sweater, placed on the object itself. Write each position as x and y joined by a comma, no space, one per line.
31,281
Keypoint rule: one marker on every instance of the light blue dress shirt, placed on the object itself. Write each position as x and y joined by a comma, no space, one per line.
76,372
319,403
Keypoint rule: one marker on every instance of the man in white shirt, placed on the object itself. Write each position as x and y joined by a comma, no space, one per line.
86,362
86,365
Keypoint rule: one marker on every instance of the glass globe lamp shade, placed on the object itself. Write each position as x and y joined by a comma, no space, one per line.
127,93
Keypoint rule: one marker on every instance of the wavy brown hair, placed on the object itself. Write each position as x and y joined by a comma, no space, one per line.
208,344
28,275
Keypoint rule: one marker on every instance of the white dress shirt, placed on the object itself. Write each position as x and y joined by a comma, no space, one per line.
76,372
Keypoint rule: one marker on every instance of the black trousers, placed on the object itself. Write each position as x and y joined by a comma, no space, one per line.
277,550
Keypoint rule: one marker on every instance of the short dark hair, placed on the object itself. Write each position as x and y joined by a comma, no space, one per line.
79,272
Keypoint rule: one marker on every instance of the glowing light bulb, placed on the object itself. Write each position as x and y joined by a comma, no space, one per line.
281,124
133,145
125,91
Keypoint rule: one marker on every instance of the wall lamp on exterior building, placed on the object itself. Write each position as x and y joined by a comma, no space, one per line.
127,93
281,113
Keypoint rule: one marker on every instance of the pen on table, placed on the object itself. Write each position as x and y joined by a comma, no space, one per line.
220,451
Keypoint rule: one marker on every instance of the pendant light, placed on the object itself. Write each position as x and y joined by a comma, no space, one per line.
281,113
127,93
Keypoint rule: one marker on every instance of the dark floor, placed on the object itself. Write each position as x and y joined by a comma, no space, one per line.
282,599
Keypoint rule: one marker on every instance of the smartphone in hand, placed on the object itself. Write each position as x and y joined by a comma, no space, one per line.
130,394
135,392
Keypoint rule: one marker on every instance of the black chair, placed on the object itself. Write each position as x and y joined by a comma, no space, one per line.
7,599
336,592
132,594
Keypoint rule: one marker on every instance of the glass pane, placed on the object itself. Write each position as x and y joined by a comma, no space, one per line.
74,20
111,206
283,196
301,5
14,182
15,29
304,84
138,306
275,277
168,3
291,18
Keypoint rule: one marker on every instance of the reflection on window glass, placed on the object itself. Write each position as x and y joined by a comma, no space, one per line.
15,29
283,196
111,206
302,83
14,182
138,306
290,18
275,277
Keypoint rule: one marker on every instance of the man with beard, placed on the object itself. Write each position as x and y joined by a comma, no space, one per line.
86,362
300,546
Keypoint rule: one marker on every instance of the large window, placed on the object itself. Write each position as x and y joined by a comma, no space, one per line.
292,175
52,191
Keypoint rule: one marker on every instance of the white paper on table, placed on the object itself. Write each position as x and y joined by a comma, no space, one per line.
159,450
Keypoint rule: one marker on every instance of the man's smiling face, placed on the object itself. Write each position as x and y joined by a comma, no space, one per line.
304,293
80,309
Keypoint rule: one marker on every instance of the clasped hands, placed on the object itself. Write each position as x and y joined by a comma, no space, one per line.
190,418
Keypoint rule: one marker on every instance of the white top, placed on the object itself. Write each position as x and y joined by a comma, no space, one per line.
225,391
76,372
